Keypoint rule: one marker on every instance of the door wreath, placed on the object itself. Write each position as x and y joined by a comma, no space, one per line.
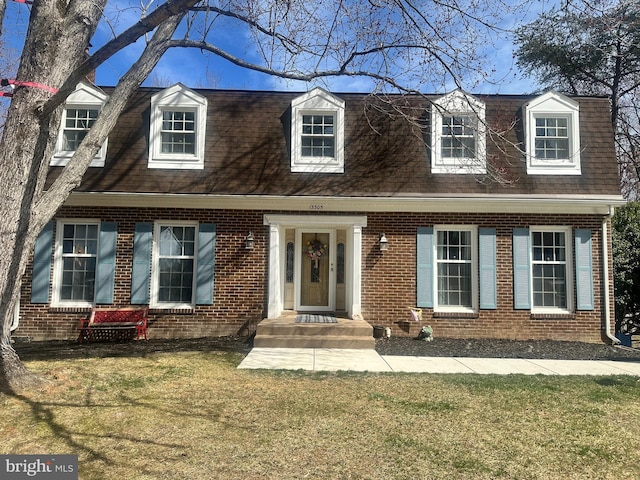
315,250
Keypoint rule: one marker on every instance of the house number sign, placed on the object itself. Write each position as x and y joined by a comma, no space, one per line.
316,207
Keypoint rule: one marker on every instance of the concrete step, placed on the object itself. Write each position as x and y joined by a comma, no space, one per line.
345,327
283,332
308,341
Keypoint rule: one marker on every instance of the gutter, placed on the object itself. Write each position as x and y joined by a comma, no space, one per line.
472,203
605,268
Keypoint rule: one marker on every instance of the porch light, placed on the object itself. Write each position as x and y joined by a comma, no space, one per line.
249,241
384,243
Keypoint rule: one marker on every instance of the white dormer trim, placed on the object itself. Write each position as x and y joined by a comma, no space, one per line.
177,98
317,102
553,105
458,104
84,97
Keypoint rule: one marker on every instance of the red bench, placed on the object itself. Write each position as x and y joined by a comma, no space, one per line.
105,323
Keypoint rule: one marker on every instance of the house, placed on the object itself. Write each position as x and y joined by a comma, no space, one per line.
220,209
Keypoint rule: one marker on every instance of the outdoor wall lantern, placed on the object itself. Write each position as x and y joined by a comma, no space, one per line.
249,241
384,243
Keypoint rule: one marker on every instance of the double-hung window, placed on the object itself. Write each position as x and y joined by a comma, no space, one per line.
77,122
552,126
458,140
552,138
178,133
84,258
454,269
546,278
81,112
450,261
317,133
177,129
318,136
458,136
75,262
549,272
175,264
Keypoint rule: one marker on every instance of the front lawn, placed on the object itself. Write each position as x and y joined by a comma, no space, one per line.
193,415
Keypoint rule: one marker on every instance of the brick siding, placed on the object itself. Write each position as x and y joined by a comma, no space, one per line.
388,279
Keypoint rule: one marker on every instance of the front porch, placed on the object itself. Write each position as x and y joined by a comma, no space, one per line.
285,332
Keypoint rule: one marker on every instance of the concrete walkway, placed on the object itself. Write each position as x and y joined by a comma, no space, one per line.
358,360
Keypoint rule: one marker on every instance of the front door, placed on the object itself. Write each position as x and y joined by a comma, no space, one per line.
317,279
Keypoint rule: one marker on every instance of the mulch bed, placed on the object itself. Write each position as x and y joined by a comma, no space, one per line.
439,347
493,348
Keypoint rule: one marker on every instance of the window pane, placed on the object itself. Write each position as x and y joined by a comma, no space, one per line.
458,137
549,269
78,279
317,138
76,124
340,263
177,253
175,280
454,257
178,132
552,138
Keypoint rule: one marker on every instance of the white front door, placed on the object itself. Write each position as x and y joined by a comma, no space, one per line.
287,254
315,270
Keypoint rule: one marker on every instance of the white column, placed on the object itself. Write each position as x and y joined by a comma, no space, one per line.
275,273
356,271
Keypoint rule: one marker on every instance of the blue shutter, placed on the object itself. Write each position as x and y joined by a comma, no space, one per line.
521,269
205,263
106,268
41,277
584,270
141,269
424,274
487,258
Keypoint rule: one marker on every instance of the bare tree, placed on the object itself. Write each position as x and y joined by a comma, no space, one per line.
401,45
593,47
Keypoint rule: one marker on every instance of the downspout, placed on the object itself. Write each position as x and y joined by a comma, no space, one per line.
16,316
605,274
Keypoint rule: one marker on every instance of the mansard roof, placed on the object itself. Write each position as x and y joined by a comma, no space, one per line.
248,142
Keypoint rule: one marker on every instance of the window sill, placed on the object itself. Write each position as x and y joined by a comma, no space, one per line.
172,310
196,164
553,316
70,308
460,315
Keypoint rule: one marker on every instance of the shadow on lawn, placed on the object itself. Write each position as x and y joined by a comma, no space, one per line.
66,349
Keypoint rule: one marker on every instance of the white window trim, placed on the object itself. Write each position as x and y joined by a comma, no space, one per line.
569,274
553,105
452,104
155,266
58,262
317,102
474,269
177,98
84,96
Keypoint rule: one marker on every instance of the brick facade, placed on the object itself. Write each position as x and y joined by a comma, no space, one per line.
388,279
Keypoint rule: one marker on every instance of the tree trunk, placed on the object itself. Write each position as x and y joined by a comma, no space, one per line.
27,207
14,376
54,47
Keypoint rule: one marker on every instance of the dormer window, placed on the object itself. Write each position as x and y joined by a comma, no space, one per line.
81,111
317,133
552,135
178,128
458,143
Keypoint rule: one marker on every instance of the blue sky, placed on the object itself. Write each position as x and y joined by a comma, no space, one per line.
203,70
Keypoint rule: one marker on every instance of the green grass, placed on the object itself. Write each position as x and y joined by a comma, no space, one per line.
194,415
